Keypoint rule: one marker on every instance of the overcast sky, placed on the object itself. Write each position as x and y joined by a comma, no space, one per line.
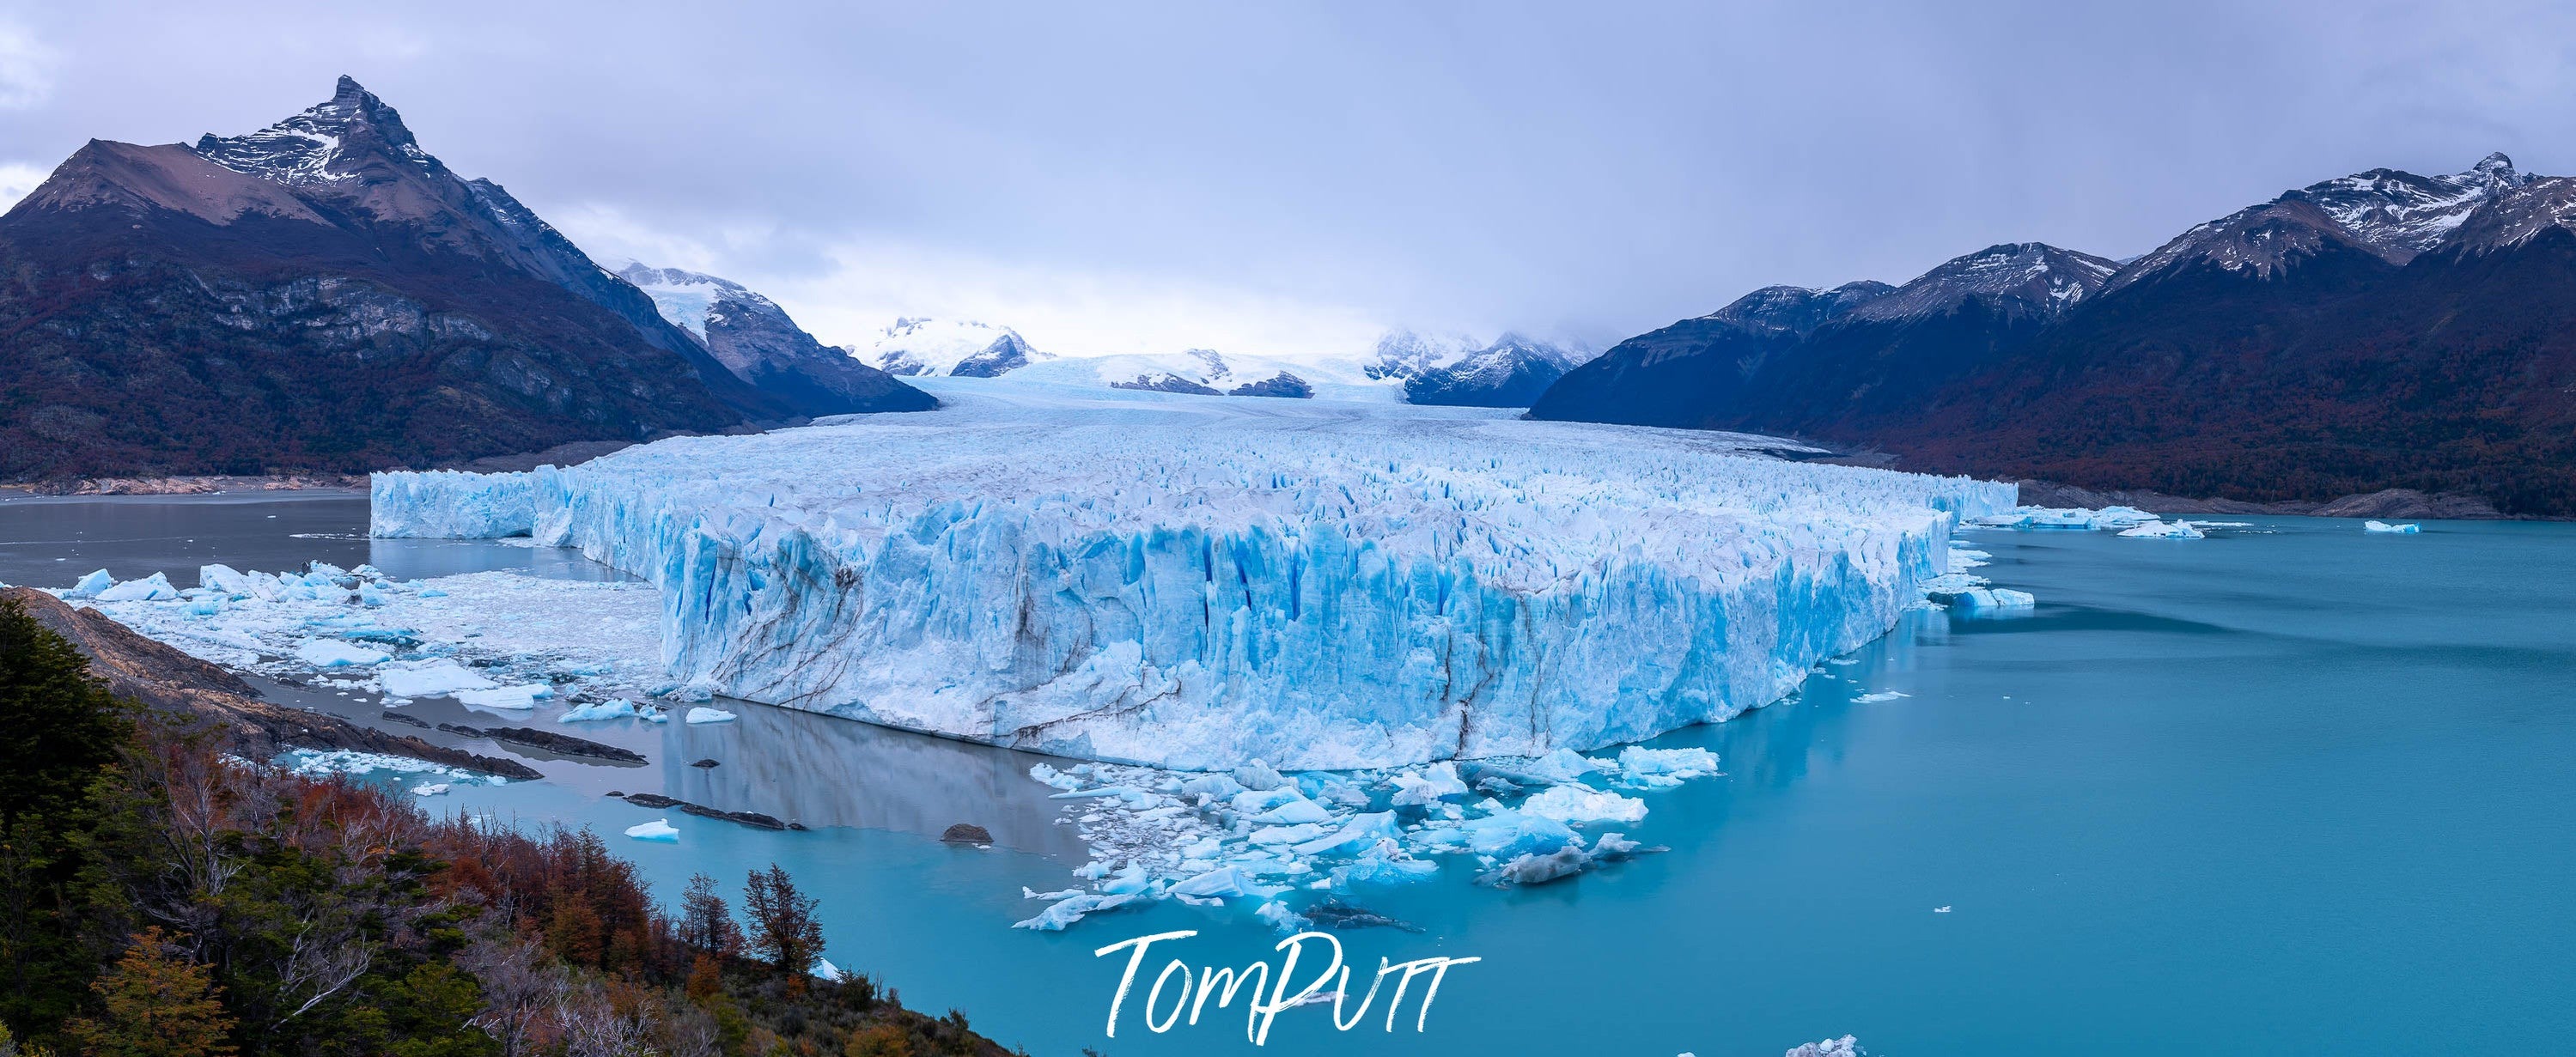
1284,178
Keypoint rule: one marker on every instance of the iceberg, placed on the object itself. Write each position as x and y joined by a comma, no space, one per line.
616,708
1577,805
89,586
2165,530
153,588
422,679
2409,528
659,830
514,698
703,715
1195,583
1994,598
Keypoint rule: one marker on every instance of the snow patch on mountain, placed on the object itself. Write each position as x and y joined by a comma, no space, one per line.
686,298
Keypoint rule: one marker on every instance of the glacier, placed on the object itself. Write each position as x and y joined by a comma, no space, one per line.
1193,582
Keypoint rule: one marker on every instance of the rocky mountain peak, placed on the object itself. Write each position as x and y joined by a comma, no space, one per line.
2015,277
323,143
1797,309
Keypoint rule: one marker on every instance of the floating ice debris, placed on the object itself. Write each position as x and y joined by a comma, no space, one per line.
2165,530
1206,840
703,714
1881,696
2409,528
1941,910
1578,805
1072,909
514,698
615,708
1392,585
565,636
432,789
1847,1046
1434,782
333,653
659,830
313,763
1663,768
153,588
89,586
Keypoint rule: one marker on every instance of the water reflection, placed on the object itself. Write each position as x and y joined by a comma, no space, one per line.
825,771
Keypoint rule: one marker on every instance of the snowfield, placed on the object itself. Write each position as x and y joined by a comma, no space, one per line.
1194,582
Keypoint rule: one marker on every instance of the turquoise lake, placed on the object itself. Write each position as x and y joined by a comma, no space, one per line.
2291,789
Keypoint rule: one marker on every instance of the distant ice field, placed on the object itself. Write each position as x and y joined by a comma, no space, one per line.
1197,582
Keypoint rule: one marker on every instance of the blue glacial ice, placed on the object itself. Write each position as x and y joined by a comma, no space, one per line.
1195,582
2408,529
452,504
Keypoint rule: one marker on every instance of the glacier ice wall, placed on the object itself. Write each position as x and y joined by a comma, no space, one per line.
1194,582
451,504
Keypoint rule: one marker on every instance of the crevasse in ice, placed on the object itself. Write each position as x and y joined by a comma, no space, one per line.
1194,582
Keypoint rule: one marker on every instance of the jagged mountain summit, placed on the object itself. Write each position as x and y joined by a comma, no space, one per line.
962,348
2386,213
323,294
2380,330
756,340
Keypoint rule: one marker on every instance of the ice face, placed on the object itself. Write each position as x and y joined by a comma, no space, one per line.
451,504
1197,582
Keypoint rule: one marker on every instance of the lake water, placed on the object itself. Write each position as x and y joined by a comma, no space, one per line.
2296,790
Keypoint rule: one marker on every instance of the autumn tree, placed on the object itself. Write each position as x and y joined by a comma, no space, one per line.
156,1003
706,923
784,931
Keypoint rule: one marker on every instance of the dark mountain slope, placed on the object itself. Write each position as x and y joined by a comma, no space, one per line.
321,295
1829,362
2454,373
2377,331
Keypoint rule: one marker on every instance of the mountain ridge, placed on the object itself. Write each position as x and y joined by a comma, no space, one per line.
2375,331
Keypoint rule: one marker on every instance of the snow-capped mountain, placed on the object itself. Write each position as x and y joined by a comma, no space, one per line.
2378,330
1456,370
755,339
2387,213
325,294
2032,278
1795,309
962,348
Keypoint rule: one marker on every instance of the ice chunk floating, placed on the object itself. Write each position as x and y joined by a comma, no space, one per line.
1195,582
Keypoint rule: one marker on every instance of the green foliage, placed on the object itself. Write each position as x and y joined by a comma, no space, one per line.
58,726
60,736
